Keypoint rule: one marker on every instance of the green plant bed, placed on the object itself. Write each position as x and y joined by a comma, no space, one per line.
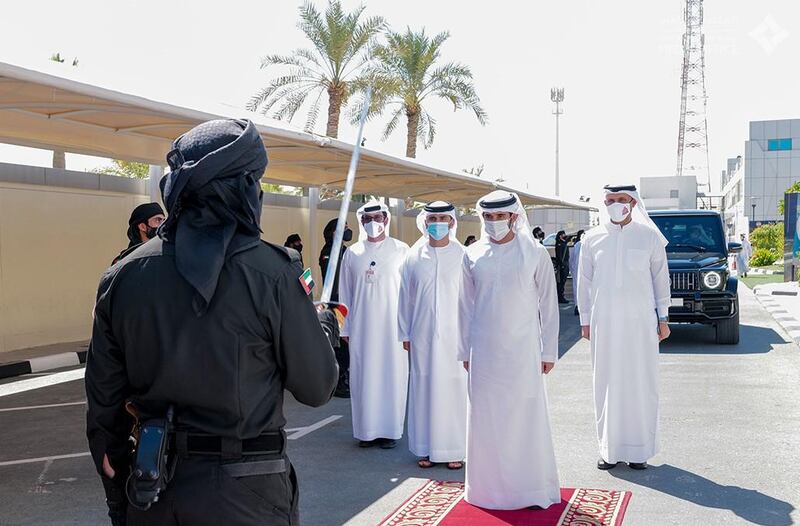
751,281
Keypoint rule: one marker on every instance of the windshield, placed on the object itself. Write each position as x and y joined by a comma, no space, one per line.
692,233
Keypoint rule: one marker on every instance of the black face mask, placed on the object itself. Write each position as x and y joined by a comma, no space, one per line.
298,247
348,234
150,233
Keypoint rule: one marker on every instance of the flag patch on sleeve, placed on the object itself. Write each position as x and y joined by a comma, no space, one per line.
306,281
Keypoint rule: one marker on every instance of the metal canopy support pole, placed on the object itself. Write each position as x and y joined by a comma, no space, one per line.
313,228
154,176
399,209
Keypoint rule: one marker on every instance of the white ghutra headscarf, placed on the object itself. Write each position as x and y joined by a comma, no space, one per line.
436,208
504,201
638,214
370,208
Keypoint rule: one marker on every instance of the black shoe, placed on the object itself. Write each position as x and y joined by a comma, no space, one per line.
534,507
367,443
637,465
605,466
387,443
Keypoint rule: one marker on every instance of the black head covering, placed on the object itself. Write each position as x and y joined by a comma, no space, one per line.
213,197
558,237
293,238
141,214
329,230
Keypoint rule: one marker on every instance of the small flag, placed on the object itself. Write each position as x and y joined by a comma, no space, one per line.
307,281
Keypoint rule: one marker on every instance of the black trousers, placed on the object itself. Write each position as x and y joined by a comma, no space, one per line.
203,493
343,359
561,280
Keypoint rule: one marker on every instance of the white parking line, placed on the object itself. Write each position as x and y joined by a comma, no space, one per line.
303,431
43,459
43,381
25,408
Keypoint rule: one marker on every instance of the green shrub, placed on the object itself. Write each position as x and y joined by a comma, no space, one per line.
768,237
763,257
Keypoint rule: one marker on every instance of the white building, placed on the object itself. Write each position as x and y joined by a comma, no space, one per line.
753,186
669,193
553,219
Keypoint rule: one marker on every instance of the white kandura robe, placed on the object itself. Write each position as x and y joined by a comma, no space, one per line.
743,258
514,328
429,319
623,287
369,284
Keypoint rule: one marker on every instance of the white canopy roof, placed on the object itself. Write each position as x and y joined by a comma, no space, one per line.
50,111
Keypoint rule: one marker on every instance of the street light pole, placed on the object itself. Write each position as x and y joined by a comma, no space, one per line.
557,96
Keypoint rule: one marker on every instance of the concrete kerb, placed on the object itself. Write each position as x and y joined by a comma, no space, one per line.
42,364
782,301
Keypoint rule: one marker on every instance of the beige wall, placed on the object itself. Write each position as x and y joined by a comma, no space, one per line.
55,242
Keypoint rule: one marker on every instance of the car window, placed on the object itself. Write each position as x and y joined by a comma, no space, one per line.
549,240
692,233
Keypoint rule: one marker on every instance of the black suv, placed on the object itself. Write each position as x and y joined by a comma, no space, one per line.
703,291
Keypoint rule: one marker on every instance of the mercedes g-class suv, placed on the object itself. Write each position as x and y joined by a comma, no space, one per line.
703,291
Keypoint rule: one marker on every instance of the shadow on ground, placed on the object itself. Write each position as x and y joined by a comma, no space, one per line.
699,339
751,505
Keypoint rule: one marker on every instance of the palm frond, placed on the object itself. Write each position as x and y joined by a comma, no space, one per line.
291,104
392,124
313,113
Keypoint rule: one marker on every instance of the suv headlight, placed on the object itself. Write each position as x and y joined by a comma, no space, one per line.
713,280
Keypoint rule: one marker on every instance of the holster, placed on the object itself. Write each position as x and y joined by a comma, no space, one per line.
154,463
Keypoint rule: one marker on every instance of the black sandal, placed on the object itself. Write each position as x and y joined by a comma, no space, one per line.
425,463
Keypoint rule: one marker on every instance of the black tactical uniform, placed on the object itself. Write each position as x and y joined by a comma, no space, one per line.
219,353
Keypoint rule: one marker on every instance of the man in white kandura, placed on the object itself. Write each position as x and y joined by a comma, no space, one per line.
369,284
514,322
623,299
431,330
743,257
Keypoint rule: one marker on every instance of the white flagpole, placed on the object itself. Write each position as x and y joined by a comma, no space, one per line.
333,262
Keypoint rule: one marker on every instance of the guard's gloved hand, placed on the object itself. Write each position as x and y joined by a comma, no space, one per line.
330,325
116,500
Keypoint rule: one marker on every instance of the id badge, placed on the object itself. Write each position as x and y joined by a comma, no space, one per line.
371,276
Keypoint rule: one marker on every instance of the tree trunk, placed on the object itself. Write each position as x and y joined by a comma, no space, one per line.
335,96
411,136
59,159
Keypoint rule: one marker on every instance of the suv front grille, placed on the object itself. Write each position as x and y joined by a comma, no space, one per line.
683,281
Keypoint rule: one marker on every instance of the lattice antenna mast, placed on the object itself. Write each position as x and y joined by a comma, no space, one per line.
693,158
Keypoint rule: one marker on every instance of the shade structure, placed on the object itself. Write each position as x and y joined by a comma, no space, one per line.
63,111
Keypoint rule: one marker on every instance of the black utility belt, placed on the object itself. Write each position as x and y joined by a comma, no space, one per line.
186,443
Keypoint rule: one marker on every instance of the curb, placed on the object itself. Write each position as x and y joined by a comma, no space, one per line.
789,323
43,363
759,272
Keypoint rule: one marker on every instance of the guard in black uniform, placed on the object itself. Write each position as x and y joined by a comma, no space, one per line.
142,226
206,324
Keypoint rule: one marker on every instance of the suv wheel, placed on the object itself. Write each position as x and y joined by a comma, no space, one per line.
728,330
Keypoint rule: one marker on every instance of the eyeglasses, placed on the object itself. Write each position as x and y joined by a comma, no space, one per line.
378,218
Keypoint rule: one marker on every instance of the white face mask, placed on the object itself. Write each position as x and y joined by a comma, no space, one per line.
497,230
374,229
618,211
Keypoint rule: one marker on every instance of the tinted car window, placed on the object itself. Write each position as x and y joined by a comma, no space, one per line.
691,233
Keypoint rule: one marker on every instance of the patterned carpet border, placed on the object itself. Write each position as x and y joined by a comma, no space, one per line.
432,502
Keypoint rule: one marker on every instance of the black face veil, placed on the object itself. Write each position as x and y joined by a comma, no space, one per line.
213,197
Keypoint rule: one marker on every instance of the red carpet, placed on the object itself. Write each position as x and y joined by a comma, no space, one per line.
440,503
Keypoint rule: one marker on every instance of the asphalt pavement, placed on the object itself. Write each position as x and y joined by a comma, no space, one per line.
730,441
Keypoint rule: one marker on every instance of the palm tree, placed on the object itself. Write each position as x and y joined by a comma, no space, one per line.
406,75
341,47
59,156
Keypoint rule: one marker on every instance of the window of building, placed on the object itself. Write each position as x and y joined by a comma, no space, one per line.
777,145
673,194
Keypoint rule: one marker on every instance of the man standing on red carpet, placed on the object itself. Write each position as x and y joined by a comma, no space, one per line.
513,342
